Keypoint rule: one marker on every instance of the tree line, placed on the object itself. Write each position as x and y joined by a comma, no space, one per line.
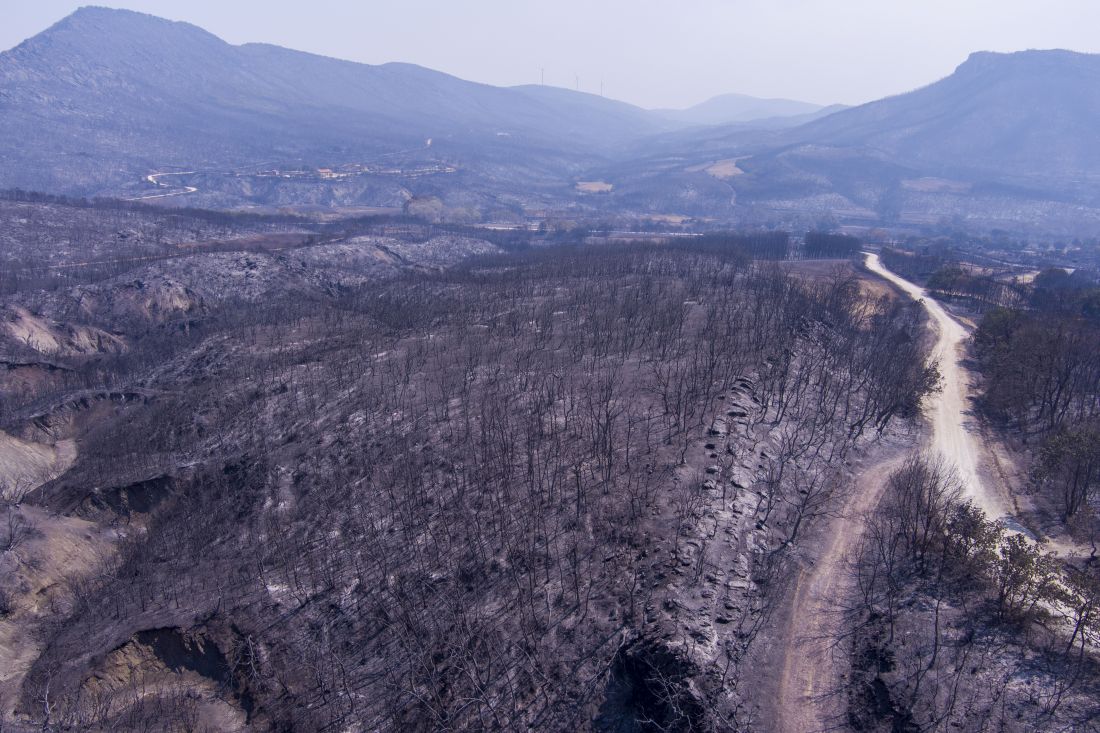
1041,377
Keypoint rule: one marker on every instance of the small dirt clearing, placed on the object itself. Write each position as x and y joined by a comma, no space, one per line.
720,169
25,464
594,186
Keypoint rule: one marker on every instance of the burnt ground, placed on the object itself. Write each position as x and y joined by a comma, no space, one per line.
539,490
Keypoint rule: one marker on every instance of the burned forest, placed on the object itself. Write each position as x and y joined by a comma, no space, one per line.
376,388
550,488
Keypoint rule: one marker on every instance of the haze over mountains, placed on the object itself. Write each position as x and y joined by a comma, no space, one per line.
1007,140
144,93
728,108
102,99
140,93
1029,115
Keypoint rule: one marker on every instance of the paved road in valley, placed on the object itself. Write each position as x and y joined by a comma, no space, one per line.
152,178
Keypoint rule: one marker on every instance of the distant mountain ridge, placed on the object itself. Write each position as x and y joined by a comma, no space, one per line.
733,108
1007,141
1017,114
104,98
144,92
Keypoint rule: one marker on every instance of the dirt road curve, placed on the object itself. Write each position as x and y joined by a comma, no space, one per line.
807,698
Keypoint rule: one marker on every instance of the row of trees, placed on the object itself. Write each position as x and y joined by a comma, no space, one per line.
917,266
981,290
1042,377
940,269
758,245
778,246
825,245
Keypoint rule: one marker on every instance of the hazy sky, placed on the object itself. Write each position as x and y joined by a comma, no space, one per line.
649,52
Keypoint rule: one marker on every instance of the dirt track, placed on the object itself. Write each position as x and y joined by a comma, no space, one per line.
954,434
807,697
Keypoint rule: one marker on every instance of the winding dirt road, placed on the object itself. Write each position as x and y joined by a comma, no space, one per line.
955,435
808,698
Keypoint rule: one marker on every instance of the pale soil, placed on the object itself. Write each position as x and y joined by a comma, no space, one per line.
47,337
594,186
935,185
869,284
720,169
63,548
36,571
25,464
133,673
988,469
724,169
676,219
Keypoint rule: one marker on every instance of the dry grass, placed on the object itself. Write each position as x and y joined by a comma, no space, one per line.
675,219
725,169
